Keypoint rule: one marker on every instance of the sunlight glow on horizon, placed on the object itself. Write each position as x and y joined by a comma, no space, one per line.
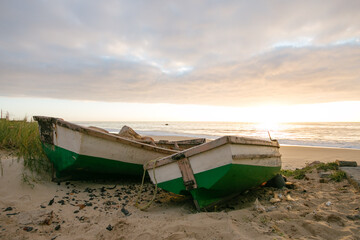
268,115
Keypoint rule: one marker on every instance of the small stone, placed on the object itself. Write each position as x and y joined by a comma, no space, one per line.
51,202
109,228
74,191
11,214
8,209
89,190
109,203
76,211
57,227
62,202
125,212
42,206
28,229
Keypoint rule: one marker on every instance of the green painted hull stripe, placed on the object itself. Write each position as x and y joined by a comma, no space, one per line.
215,184
69,163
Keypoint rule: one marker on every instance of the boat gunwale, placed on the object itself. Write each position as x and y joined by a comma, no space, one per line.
103,135
209,146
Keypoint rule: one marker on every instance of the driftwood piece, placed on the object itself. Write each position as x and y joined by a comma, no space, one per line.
346,163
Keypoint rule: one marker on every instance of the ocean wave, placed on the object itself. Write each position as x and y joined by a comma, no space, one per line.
338,135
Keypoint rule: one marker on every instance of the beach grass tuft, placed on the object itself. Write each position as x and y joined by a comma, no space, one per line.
299,174
23,138
337,176
327,166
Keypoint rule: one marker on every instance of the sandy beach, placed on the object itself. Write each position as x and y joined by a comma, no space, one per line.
105,210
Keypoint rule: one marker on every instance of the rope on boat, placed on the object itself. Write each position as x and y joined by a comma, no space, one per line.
142,208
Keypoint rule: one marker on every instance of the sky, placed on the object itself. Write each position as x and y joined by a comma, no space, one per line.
181,60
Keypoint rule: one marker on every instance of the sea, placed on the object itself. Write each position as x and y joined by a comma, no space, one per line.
321,134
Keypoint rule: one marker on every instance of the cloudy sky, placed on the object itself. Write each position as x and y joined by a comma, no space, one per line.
183,60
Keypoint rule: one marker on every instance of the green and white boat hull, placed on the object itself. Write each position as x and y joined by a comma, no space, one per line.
78,151
217,170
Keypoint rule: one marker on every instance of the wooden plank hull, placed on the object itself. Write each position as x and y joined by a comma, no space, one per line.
77,150
220,169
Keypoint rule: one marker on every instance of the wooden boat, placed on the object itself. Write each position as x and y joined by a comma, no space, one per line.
76,150
216,170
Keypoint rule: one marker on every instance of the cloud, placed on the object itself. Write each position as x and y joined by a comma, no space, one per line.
219,53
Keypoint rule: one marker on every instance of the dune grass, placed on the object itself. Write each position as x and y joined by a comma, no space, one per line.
23,138
336,175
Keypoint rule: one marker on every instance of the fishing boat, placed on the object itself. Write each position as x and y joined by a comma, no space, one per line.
217,170
76,150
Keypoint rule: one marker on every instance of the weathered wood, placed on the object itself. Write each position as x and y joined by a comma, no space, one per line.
194,141
214,144
187,174
346,163
353,175
178,145
46,128
190,152
252,141
254,156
